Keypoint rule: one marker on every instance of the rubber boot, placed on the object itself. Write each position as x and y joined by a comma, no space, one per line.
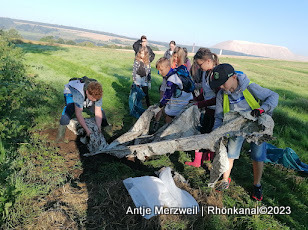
197,162
207,159
207,156
61,133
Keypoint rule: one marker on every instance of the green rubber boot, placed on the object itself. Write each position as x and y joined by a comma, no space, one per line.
61,133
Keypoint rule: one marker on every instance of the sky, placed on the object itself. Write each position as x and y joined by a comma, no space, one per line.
203,22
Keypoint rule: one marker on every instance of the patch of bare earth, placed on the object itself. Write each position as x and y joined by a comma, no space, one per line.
86,202
65,207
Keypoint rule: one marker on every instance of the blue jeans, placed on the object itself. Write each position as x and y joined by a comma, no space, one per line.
258,152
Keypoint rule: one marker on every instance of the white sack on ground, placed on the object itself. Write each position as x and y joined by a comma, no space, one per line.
151,192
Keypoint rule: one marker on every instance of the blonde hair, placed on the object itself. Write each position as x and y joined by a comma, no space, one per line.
162,61
146,58
95,90
206,54
181,55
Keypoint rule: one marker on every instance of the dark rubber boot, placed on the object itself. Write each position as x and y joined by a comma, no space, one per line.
61,133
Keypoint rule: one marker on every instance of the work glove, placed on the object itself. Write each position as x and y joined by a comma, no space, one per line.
149,85
257,112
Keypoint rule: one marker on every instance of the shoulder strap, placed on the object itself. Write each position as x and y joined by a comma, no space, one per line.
252,102
226,103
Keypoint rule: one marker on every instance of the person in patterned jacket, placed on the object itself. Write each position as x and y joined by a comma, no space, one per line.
141,72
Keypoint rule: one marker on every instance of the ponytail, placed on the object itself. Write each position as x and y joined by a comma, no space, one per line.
215,59
205,54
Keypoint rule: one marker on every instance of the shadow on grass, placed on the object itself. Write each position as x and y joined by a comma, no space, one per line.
292,100
281,187
43,49
104,175
122,90
108,199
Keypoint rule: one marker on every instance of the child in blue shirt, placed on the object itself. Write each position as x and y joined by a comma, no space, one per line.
174,98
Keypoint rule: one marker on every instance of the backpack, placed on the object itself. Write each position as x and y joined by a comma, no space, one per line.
188,83
84,80
141,70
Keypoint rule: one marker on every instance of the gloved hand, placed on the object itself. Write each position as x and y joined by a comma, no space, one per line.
149,85
257,112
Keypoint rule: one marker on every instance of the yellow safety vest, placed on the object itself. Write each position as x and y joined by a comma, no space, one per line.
248,97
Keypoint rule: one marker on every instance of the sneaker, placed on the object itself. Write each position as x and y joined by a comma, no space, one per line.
222,185
257,193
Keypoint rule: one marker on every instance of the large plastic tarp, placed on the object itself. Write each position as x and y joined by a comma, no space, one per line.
152,193
182,135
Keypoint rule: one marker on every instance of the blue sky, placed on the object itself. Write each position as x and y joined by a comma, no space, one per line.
205,23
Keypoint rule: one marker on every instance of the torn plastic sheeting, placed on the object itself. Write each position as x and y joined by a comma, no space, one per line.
96,142
253,129
150,192
138,134
178,137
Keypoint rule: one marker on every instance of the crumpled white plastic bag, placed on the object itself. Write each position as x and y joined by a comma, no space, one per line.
150,191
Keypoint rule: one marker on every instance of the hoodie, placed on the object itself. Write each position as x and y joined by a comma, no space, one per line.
268,99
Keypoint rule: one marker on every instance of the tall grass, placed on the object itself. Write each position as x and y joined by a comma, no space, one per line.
54,66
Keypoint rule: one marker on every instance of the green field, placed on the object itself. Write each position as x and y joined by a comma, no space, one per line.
97,199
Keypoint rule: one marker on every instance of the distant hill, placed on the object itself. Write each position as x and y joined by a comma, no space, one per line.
258,49
36,30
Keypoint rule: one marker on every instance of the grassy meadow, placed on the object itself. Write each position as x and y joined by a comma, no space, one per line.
41,171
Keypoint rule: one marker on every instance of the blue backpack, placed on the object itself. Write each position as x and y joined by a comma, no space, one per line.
188,83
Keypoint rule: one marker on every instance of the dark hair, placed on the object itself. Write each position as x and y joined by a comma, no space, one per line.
203,49
205,54
143,37
172,42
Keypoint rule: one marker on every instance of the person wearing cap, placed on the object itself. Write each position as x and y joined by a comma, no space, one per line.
238,93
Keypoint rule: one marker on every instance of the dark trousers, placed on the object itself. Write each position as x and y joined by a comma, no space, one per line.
207,121
145,89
